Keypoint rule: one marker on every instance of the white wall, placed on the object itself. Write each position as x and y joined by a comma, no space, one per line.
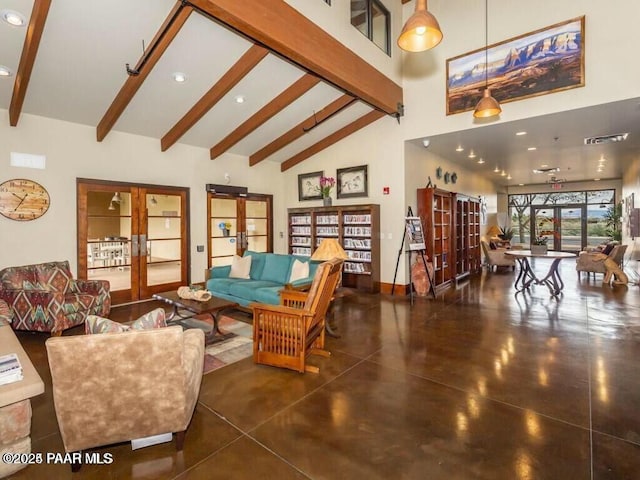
610,36
72,151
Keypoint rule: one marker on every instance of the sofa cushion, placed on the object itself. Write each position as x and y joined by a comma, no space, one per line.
154,319
247,288
276,268
240,267
299,270
257,263
269,295
221,285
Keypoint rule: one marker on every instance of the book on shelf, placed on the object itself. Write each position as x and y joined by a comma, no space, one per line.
10,369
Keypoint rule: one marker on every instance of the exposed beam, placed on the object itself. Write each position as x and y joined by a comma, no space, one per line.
163,38
300,129
295,91
285,31
244,65
331,139
27,59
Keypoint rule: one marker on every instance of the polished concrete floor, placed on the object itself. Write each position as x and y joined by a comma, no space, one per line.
476,384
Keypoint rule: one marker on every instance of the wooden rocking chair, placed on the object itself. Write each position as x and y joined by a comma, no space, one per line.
283,335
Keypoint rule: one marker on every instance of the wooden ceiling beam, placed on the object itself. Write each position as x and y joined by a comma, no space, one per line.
237,72
286,32
292,93
27,59
300,129
163,38
331,139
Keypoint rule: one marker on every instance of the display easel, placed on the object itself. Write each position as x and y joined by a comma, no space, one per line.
414,234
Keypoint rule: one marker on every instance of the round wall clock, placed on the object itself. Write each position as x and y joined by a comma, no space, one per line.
23,200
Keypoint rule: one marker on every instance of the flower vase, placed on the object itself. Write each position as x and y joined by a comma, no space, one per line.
539,249
326,201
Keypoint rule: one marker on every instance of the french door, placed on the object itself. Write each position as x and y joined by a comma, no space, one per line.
236,224
134,236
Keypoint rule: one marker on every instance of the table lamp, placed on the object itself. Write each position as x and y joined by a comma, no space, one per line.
329,249
493,231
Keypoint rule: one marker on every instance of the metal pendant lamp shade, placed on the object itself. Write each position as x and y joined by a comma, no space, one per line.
487,106
421,32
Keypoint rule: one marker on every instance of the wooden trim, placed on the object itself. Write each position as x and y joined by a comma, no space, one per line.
27,59
331,139
300,129
286,32
159,44
293,92
399,290
237,72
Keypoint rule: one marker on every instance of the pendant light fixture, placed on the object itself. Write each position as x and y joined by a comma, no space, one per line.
421,32
487,106
116,198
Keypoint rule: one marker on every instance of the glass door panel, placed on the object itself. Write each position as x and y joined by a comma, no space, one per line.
257,225
223,220
597,225
545,222
570,229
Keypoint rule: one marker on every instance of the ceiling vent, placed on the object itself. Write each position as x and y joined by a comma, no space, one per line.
615,138
546,170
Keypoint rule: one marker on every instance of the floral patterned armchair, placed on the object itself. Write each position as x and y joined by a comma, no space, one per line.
45,297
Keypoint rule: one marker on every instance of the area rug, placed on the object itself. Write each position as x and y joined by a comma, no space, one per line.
237,343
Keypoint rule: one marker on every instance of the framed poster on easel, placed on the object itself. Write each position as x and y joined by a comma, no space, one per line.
415,234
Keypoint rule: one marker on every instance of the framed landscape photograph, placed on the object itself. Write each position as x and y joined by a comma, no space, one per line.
309,186
544,61
352,182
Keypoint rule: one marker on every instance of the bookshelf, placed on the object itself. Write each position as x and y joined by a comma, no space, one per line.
435,208
356,227
467,237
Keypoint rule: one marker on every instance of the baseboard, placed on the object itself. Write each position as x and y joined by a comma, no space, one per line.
386,288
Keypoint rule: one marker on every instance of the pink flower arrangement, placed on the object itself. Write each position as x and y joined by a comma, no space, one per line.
326,184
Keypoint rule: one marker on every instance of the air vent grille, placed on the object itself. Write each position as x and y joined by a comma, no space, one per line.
615,138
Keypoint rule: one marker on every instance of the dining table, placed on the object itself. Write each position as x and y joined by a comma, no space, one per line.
527,276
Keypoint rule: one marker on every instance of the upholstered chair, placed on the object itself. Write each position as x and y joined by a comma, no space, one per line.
593,262
497,258
46,298
130,385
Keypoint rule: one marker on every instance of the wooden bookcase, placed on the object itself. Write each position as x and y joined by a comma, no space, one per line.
436,209
356,227
467,235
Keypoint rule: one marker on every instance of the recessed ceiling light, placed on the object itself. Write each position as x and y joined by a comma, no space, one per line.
481,161
544,166
459,149
521,133
531,149
521,184
14,18
471,154
509,177
239,98
551,174
180,77
5,72
503,173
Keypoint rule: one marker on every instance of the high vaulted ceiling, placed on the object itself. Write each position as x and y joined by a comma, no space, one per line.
298,99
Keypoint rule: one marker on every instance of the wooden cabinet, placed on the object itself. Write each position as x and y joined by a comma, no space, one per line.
356,227
467,235
435,208
452,233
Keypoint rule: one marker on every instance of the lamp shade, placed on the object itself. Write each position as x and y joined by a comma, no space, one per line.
329,249
493,231
421,31
487,106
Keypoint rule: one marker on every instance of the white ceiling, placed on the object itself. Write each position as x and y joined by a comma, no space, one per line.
80,67
559,142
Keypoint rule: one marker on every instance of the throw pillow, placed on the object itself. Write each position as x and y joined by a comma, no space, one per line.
94,324
240,267
299,270
608,248
153,319
493,246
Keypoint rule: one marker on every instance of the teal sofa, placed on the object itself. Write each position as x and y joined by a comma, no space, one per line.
269,274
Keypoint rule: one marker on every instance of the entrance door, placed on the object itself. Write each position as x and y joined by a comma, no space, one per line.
562,226
236,224
134,236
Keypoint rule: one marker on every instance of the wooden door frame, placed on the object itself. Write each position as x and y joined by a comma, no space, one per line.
110,185
241,216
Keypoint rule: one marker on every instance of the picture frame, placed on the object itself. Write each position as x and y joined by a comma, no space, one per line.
521,67
309,186
352,182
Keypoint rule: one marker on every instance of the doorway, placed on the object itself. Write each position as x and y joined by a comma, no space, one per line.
563,226
135,236
237,223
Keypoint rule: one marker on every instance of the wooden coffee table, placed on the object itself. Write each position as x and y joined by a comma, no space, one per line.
213,307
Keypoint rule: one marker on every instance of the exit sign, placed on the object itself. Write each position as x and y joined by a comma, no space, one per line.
556,186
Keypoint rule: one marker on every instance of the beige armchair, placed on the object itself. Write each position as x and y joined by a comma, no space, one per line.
497,258
593,262
113,388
